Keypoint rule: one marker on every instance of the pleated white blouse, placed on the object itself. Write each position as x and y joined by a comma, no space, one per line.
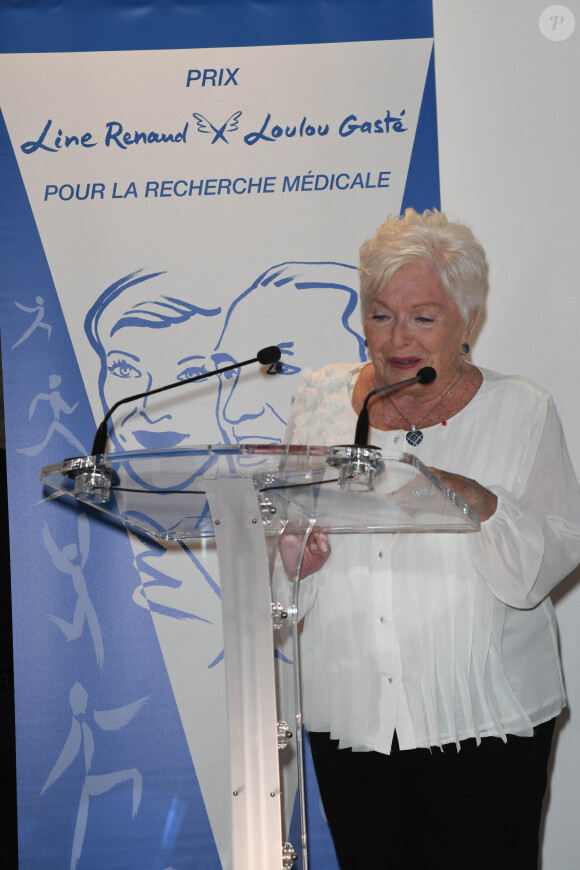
443,636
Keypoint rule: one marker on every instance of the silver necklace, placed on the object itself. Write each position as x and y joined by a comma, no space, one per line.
415,436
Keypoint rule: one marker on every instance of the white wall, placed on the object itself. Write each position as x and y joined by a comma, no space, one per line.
509,130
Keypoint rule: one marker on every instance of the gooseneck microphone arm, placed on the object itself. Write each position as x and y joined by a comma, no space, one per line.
425,375
266,356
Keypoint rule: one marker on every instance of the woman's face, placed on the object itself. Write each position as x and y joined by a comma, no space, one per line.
412,323
140,359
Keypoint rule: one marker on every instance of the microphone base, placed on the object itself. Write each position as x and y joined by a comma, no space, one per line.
92,480
357,466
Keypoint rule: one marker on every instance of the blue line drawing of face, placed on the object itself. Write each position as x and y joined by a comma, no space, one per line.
304,308
147,336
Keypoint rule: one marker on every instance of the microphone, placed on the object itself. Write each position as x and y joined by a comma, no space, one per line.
425,375
266,356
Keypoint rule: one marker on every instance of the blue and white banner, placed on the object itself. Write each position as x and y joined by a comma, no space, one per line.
172,203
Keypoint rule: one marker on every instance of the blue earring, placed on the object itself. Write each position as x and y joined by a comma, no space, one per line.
464,348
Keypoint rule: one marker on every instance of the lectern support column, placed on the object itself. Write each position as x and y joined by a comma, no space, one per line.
250,678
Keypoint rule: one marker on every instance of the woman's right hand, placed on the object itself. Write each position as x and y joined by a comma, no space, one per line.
315,555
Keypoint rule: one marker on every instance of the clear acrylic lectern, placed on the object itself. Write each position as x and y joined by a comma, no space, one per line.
247,498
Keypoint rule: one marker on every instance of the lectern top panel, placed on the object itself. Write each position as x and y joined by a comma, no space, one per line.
346,489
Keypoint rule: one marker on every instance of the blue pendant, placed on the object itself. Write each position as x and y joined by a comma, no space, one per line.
415,437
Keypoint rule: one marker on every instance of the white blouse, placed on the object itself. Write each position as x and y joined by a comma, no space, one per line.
443,636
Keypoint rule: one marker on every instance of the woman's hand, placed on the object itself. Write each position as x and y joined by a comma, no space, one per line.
315,555
479,499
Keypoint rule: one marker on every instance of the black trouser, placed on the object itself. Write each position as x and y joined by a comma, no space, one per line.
420,809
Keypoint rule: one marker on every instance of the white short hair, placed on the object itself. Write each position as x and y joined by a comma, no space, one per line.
449,247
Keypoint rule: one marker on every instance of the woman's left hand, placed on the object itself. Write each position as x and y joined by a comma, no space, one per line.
479,499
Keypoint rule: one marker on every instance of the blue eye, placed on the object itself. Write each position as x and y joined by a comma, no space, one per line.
282,368
425,319
191,372
123,369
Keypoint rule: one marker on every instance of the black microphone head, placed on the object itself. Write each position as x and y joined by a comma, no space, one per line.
426,375
269,355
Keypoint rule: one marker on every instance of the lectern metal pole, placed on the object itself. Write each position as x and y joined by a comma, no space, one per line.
250,677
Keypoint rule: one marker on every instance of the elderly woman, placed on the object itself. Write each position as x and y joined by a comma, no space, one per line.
431,673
